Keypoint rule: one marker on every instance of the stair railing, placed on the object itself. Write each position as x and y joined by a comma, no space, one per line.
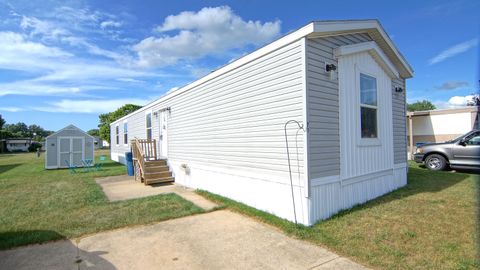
142,150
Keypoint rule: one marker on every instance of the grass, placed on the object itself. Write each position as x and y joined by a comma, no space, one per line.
428,224
38,205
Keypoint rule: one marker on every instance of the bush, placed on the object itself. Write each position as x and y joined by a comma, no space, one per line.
34,146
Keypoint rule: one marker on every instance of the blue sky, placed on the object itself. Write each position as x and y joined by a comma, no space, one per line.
65,62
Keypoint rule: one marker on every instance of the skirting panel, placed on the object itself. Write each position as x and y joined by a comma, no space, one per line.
271,197
330,198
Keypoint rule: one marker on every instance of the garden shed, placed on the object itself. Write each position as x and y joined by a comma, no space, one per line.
70,146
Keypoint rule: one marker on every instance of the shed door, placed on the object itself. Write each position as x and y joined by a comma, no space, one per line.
71,150
63,152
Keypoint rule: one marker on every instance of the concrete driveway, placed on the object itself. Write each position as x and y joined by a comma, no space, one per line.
216,240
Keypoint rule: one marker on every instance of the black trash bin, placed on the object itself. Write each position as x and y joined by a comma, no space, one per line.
129,161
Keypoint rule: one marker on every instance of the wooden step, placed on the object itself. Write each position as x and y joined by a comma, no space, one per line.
159,180
154,175
152,169
154,163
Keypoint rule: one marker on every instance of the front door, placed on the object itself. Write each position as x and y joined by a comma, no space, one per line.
163,133
70,150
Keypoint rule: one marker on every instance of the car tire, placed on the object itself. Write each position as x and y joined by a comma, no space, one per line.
435,162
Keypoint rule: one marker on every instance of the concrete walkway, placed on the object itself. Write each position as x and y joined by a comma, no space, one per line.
216,240
122,187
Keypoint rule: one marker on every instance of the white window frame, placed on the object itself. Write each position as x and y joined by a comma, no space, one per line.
151,124
361,140
125,133
117,134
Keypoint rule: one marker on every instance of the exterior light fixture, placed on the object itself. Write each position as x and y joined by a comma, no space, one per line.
398,89
330,67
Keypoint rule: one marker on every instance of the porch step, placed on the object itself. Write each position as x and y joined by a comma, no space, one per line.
155,175
152,169
159,180
155,163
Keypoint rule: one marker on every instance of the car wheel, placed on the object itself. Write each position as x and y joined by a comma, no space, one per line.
436,162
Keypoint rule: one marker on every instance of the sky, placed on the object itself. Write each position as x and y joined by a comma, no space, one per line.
66,62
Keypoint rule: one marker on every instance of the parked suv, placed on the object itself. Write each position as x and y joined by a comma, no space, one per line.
462,153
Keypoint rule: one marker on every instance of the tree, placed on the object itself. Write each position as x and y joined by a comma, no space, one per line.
2,122
423,105
107,118
94,132
17,130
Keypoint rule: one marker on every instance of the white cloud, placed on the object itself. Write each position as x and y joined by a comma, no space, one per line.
452,85
453,51
110,23
129,80
208,31
11,109
453,102
89,106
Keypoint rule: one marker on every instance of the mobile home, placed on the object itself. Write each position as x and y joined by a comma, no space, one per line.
333,91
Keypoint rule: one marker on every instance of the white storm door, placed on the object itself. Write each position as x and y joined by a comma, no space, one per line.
64,149
77,151
163,133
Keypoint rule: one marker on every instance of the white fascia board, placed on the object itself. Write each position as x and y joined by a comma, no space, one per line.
279,43
325,28
372,48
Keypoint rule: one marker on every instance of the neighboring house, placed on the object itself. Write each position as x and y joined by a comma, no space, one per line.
100,143
18,144
343,81
70,146
440,125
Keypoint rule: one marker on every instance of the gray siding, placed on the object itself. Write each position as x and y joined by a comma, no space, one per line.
399,122
235,121
323,106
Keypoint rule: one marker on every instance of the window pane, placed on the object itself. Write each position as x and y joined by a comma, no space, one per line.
149,120
125,128
125,138
368,90
369,122
149,134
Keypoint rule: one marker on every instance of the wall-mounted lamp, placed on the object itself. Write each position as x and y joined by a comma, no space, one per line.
398,89
330,67
155,113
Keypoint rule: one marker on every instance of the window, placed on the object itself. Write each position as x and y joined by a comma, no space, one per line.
117,134
125,133
368,106
473,139
148,126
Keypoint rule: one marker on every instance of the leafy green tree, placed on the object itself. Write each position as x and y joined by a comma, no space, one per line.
107,118
2,122
18,130
94,132
424,105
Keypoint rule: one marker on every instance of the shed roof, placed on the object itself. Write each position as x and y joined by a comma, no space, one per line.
69,127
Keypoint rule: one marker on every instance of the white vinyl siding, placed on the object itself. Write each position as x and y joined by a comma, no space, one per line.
236,120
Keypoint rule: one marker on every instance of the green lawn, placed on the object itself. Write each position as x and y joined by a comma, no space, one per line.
37,205
429,224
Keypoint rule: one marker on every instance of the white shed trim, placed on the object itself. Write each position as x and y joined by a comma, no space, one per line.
372,48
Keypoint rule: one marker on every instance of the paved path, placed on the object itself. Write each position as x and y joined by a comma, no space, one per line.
216,240
118,188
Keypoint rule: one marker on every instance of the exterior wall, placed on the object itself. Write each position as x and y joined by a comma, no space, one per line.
399,111
229,131
51,144
17,146
323,104
343,172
